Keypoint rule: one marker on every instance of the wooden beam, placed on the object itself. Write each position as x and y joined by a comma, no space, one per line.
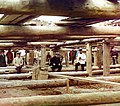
91,80
95,72
34,83
70,8
16,76
64,100
53,31
109,78
41,32
55,83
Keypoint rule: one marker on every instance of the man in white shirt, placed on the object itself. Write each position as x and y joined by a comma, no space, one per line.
18,62
22,54
81,60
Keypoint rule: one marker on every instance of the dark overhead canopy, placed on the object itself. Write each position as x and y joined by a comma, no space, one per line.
81,13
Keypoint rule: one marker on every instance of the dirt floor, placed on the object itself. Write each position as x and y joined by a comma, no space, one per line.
24,91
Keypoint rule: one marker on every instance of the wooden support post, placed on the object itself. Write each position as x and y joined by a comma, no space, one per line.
68,86
99,56
42,71
39,57
89,59
43,57
95,58
31,57
106,58
66,59
39,74
27,57
35,73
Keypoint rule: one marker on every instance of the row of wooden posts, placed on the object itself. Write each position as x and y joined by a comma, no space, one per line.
101,57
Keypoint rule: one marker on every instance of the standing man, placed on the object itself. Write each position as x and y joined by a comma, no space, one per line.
9,57
18,62
2,59
81,60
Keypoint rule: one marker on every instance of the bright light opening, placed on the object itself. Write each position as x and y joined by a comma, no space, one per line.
1,15
50,18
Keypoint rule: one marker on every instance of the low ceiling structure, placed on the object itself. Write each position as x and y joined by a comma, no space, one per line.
80,21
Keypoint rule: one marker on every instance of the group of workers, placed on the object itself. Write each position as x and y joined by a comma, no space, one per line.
17,61
56,62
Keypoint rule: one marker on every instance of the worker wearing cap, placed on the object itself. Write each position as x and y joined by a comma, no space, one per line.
81,60
18,62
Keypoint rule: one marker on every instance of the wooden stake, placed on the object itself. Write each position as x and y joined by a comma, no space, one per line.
67,87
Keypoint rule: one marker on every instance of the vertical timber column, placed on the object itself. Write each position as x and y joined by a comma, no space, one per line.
43,57
66,59
95,58
43,72
25,57
89,59
99,56
106,58
40,72
31,57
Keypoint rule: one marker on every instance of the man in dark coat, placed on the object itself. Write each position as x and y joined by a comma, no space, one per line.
55,62
9,55
2,59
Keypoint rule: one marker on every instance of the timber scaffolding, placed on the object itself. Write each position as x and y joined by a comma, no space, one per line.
73,88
